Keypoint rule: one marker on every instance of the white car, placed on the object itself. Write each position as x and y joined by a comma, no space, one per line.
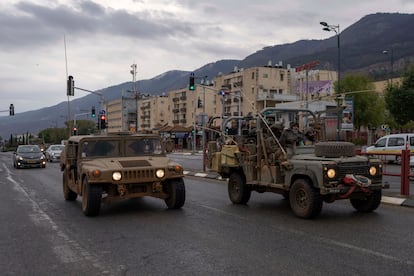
53,152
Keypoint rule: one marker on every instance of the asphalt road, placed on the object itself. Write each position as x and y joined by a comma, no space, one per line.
42,234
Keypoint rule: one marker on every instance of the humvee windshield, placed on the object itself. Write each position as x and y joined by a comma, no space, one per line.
114,148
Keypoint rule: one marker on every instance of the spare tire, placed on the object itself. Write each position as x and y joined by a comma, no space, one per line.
334,149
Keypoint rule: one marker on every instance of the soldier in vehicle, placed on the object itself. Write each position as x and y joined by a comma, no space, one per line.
292,136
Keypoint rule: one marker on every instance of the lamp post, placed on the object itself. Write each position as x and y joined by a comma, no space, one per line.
134,90
335,28
385,52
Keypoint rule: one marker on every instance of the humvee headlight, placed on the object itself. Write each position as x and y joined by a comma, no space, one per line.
116,176
373,170
160,173
331,173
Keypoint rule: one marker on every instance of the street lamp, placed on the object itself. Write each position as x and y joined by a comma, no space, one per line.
385,52
335,28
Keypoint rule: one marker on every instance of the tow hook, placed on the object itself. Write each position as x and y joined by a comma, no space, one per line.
156,187
121,190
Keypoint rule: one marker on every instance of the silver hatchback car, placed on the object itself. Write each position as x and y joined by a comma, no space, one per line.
53,152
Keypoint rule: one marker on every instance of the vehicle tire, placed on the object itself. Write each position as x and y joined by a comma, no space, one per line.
68,194
305,201
239,192
369,204
176,191
334,149
91,198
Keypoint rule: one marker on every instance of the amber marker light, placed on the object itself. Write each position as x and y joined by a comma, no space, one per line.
96,173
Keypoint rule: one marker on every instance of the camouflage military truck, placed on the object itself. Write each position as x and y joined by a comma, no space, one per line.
264,156
105,168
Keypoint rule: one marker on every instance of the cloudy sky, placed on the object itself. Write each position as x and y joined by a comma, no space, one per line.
105,37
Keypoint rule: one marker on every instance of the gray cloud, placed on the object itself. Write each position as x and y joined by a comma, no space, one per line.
105,37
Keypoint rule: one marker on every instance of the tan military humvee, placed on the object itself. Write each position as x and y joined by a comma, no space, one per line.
109,167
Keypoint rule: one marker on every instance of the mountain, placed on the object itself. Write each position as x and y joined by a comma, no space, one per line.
361,46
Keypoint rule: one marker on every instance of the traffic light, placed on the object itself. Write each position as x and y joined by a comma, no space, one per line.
70,87
199,103
75,130
191,87
93,112
11,110
103,121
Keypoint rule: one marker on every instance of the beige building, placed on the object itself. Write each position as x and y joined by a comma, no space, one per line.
255,88
122,114
153,111
187,107
245,90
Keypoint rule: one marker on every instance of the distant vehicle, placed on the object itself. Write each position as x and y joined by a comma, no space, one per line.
53,152
393,143
28,156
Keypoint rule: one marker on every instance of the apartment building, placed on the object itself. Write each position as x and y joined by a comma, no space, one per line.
255,88
187,107
122,114
252,89
153,111
236,93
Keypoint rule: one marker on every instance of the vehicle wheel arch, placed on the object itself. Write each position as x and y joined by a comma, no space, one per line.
308,175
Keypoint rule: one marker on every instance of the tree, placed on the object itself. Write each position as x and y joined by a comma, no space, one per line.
368,106
399,98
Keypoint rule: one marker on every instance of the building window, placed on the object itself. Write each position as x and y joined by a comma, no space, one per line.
252,75
265,75
281,77
280,91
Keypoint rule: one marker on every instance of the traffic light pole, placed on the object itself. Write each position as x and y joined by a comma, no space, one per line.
78,115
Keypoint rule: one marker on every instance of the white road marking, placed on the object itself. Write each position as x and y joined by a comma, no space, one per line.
66,249
363,250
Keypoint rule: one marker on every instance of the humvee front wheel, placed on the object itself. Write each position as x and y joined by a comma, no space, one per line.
369,204
176,191
305,201
68,194
239,192
91,198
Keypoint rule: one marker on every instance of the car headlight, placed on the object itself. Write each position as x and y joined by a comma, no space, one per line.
160,173
116,176
331,173
42,157
20,158
373,170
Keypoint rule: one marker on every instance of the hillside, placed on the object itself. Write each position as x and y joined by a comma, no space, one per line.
361,51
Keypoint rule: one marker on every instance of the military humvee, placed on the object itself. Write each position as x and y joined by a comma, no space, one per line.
262,155
119,166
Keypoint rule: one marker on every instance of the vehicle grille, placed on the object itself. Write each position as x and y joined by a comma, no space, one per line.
138,174
353,168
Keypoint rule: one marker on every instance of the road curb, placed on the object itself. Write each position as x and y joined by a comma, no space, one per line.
407,202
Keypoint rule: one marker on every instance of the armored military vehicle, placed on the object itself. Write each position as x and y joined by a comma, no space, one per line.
110,167
264,155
